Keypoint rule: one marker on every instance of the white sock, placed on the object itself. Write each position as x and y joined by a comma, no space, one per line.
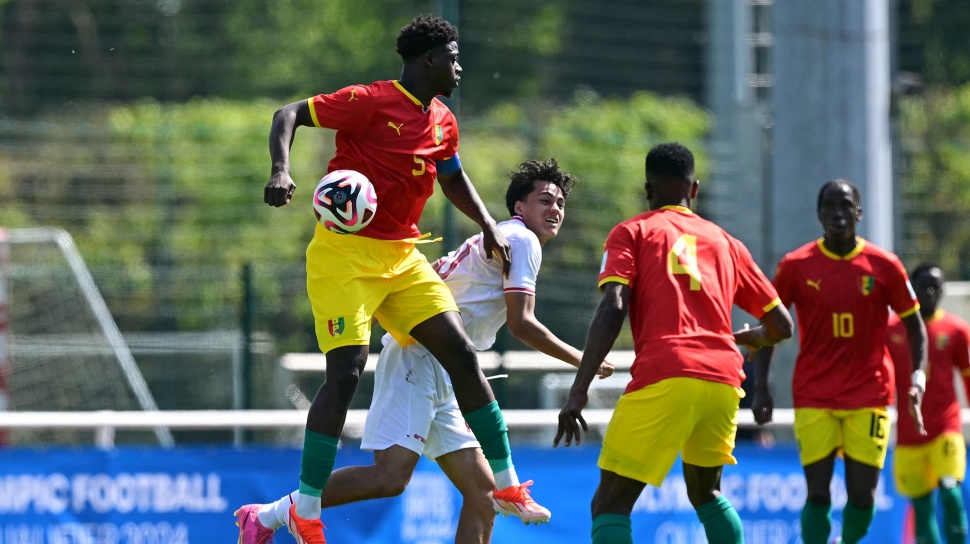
506,478
307,506
273,515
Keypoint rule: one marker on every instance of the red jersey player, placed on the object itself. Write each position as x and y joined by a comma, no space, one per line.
403,138
842,287
677,275
938,459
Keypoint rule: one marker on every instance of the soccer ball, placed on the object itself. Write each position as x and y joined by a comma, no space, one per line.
344,201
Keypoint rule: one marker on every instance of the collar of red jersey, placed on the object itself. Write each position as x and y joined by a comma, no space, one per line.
682,209
860,243
406,93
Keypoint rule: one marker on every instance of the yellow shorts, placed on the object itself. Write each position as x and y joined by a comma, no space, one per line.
351,279
694,418
918,469
862,434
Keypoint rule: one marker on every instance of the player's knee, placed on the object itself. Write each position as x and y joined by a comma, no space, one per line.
344,379
465,357
862,499
700,497
819,496
394,484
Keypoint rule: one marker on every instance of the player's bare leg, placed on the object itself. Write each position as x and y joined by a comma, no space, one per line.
387,477
816,516
721,521
860,485
469,471
612,504
325,422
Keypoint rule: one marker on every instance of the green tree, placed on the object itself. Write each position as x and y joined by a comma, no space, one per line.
935,199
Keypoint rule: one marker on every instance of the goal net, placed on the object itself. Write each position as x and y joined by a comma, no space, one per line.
60,349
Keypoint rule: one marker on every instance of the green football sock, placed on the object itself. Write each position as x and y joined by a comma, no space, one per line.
612,529
954,516
924,514
316,463
816,523
489,427
722,525
855,522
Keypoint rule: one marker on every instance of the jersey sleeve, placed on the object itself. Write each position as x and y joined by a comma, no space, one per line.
755,295
902,298
450,130
350,109
619,257
526,256
783,282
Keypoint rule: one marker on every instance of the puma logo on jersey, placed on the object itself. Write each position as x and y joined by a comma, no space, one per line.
815,284
397,128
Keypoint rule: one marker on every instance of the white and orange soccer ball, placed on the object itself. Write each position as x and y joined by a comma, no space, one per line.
344,201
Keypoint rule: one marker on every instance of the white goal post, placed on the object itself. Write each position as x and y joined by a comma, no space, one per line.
105,324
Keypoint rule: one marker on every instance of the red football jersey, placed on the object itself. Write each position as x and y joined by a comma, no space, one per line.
949,351
842,304
386,134
685,273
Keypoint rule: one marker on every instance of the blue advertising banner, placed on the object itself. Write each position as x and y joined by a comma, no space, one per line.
187,495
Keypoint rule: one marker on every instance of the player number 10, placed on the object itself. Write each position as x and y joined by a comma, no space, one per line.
842,325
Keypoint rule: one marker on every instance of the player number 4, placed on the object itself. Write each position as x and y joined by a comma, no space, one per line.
682,259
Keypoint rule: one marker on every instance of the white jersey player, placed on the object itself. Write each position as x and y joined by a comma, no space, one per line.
414,411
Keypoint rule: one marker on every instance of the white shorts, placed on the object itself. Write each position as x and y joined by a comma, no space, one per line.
414,405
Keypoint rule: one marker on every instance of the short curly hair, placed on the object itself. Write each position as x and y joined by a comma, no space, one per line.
424,33
670,161
522,181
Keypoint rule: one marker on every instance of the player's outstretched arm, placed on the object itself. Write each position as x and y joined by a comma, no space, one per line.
523,325
279,189
460,191
916,331
605,327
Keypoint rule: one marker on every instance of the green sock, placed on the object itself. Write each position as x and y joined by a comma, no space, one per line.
816,523
924,514
612,529
855,522
722,525
489,427
954,516
316,464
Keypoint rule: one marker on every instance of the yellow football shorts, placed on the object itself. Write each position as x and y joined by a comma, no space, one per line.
695,418
861,434
351,279
918,469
